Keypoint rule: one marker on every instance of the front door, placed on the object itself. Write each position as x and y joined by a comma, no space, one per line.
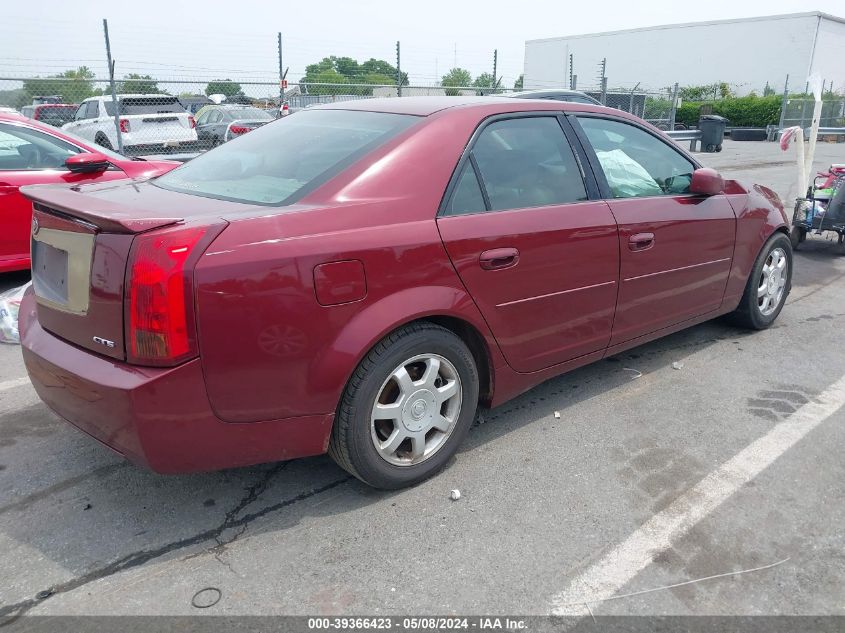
539,258
676,247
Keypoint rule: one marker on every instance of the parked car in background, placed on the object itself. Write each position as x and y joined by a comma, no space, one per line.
55,114
193,103
220,123
33,153
360,276
5,110
571,96
149,123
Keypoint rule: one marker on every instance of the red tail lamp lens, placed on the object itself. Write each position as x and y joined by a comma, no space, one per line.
161,327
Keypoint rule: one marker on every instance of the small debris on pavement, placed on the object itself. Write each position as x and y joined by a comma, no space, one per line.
455,494
43,595
677,365
87,506
557,415
636,371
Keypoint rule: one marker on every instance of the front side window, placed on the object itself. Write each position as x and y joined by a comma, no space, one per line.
25,149
280,162
527,162
636,163
82,111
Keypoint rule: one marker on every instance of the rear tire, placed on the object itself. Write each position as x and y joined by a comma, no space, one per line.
407,407
768,285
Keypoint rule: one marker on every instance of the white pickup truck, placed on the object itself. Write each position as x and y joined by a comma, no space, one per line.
149,123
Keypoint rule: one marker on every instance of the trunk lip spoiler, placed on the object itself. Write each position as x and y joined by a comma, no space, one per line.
106,217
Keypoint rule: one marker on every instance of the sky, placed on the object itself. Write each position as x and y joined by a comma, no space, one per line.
206,39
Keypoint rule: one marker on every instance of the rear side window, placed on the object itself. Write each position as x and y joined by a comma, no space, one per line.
636,163
280,162
467,197
524,163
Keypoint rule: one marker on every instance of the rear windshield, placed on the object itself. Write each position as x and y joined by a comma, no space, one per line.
159,104
63,113
280,162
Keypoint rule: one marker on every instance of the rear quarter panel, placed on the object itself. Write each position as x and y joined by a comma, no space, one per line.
270,350
759,214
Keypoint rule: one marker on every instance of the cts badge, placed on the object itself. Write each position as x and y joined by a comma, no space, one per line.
103,341
35,225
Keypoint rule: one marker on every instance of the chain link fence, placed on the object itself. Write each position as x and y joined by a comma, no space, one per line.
171,116
798,110
167,116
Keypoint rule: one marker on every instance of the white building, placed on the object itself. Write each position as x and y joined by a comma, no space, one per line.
745,53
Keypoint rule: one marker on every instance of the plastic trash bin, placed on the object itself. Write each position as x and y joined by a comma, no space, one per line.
712,128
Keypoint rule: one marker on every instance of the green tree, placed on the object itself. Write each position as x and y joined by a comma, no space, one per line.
457,77
72,86
134,83
517,85
315,82
345,70
223,87
484,80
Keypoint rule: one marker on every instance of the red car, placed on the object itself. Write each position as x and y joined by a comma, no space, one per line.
35,153
359,277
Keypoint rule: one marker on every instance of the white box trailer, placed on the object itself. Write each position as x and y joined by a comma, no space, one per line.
745,53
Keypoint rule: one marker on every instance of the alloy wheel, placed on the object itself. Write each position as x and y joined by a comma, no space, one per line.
772,284
416,410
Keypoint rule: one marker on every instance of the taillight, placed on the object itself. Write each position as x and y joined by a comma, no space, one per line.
192,121
124,126
238,129
160,305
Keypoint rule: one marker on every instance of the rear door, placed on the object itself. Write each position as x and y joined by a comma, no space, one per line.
676,247
538,255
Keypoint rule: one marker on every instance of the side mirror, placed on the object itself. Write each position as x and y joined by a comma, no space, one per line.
707,182
87,163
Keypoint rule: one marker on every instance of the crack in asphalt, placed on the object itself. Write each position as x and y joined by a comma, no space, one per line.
12,612
253,492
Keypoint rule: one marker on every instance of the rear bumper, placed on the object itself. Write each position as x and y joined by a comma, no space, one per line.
157,418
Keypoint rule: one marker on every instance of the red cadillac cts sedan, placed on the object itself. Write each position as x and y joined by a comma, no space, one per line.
359,277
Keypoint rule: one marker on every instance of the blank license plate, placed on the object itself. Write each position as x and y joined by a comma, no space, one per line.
49,272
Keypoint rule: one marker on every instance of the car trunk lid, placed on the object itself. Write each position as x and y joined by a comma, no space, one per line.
81,239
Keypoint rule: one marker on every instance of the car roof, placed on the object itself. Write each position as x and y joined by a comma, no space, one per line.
426,106
14,117
548,91
152,95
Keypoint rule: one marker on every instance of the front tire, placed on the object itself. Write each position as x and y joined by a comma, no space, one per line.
406,408
768,285
103,141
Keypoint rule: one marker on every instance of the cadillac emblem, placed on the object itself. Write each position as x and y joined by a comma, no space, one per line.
35,225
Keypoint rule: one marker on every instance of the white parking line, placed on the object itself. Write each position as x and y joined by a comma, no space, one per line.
619,566
11,384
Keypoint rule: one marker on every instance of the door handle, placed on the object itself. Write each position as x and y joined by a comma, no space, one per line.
641,241
7,188
498,258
